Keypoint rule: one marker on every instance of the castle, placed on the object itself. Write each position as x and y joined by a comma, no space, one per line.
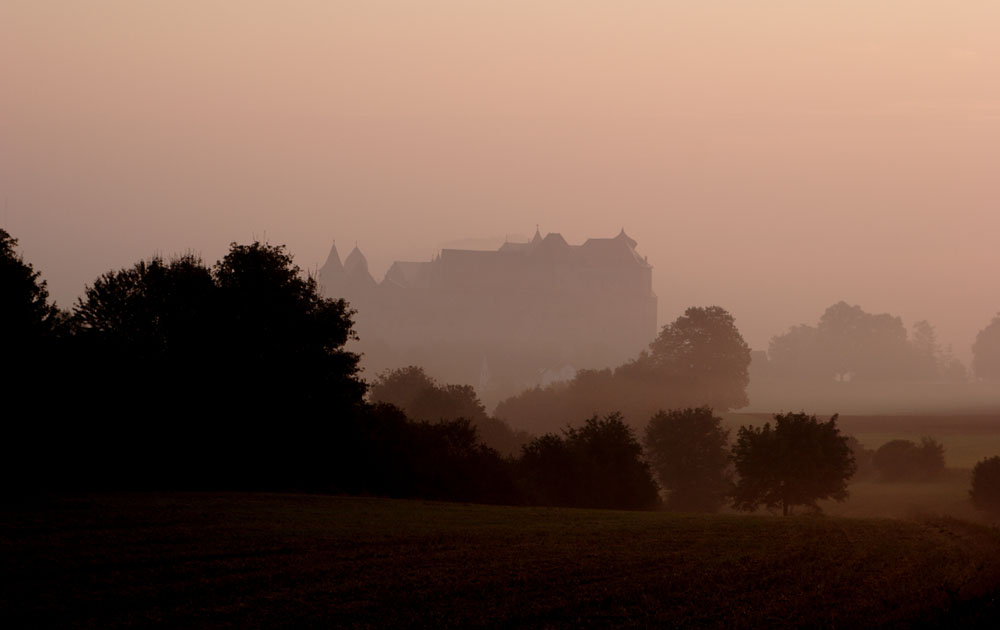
505,319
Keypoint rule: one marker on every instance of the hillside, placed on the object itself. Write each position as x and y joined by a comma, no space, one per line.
263,560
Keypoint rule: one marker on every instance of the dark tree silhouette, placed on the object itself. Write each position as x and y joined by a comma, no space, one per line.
689,454
279,333
985,491
903,460
597,465
986,351
27,320
799,461
422,398
703,353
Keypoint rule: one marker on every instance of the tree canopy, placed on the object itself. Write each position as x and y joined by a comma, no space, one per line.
703,354
904,460
26,317
688,452
422,398
986,351
598,464
699,359
850,344
798,461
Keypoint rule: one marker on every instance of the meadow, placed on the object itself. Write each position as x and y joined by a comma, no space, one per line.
253,560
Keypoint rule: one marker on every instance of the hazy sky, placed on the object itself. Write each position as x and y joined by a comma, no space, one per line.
770,157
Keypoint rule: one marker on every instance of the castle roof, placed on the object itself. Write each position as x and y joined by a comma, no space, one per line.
355,260
332,264
409,274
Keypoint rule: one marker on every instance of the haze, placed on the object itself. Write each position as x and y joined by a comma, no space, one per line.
769,157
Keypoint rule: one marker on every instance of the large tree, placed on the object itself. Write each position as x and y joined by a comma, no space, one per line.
702,356
798,461
598,465
986,351
280,333
850,344
688,452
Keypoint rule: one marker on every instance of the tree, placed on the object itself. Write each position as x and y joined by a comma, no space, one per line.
904,460
985,491
703,354
849,344
799,461
597,465
688,452
986,351
422,398
27,320
281,335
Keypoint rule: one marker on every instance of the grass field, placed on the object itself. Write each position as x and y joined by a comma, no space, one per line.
263,560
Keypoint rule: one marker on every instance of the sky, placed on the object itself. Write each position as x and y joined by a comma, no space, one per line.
771,158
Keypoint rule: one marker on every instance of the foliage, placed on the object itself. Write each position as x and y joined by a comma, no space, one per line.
850,344
985,491
596,465
864,468
702,352
699,359
688,452
903,460
422,398
986,351
797,462
26,318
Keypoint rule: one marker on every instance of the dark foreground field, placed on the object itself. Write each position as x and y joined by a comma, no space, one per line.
264,560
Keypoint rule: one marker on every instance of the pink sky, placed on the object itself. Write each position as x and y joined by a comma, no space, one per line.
770,157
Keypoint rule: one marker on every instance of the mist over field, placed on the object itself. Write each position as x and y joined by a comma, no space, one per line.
560,313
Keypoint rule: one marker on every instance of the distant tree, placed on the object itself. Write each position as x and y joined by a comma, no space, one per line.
862,458
597,465
849,344
986,352
688,452
422,398
928,357
703,354
400,386
904,460
799,461
985,491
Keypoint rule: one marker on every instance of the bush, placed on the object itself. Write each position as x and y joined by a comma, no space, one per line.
903,460
985,491
598,465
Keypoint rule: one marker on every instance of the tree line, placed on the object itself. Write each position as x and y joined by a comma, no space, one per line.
175,374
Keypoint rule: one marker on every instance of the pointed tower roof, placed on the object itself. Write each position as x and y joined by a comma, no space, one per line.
537,238
355,260
332,264
622,235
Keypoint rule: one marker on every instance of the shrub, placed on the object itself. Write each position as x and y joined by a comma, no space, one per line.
903,460
985,491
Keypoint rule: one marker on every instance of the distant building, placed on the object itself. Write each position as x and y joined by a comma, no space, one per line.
504,319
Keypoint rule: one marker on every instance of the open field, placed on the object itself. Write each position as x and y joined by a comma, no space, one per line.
263,560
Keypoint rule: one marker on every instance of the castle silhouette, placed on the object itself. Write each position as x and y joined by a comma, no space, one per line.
502,320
